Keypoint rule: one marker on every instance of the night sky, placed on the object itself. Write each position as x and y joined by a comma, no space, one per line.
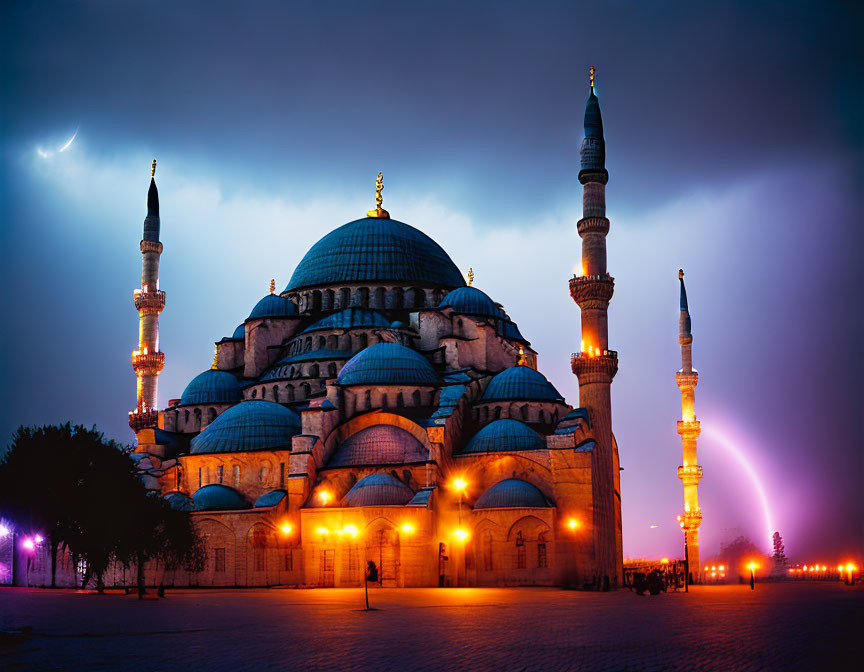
734,145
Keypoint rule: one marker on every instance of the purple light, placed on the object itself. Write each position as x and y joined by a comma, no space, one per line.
28,544
38,539
4,531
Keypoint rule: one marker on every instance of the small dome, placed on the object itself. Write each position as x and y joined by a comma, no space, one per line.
271,498
511,494
179,501
471,301
212,387
239,333
521,383
505,435
378,490
250,425
273,305
387,364
510,331
379,444
350,318
218,497
375,250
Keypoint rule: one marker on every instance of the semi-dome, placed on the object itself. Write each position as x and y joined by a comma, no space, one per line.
250,425
271,498
212,387
471,301
505,435
218,497
350,318
387,364
379,444
179,501
520,383
511,494
374,250
378,490
273,305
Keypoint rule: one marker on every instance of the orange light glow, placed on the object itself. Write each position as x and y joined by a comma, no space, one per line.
713,568
459,484
664,561
706,568
324,496
350,530
722,568
850,567
407,528
573,523
460,534
286,529
751,566
322,530
824,568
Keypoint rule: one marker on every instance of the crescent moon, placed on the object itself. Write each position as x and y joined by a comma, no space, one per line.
71,140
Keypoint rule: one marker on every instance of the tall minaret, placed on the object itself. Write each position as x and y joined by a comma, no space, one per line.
596,365
147,360
688,427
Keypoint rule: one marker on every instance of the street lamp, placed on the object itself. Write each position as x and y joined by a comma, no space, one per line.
686,557
752,568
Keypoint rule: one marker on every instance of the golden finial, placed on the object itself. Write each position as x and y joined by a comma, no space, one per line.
592,76
379,212
215,364
470,277
521,361
680,273
272,285
153,168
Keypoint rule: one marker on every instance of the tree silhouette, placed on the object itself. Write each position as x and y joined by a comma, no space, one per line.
779,549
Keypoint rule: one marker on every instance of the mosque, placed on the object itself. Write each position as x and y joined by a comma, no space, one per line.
382,409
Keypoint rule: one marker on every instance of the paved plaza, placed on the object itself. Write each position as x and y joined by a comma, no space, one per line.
776,627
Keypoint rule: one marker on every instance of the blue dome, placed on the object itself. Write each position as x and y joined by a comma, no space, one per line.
379,444
273,305
350,318
510,331
378,490
471,301
250,425
521,383
179,502
239,332
505,435
218,497
374,250
271,498
387,364
212,387
511,494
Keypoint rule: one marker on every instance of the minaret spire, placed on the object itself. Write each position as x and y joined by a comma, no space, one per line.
689,428
596,365
147,360
379,212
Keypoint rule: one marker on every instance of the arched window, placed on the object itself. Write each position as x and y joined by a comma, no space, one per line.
197,419
211,415
314,371
264,474
397,297
419,298
185,417
542,560
497,412
364,297
521,562
362,340
290,391
259,546
331,370
307,390
254,393
328,299
344,297
322,343
378,298
333,342
220,473
400,402
415,398
236,470
316,301
276,393
308,344
367,399
523,411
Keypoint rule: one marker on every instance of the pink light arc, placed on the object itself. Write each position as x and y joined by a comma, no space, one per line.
748,468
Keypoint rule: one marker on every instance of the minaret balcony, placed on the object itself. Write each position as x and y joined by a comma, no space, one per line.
691,474
151,246
592,291
689,429
593,367
686,380
691,520
144,419
149,302
148,363
592,225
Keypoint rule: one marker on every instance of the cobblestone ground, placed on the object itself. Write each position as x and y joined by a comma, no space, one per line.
776,627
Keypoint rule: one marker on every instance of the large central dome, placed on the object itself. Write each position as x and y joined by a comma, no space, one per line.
375,250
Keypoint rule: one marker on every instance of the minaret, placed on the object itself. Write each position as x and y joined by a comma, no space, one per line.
147,360
689,472
595,364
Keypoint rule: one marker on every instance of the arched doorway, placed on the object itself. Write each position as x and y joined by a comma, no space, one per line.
382,548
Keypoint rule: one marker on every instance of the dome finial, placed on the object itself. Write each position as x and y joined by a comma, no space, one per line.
521,361
592,77
153,168
272,285
215,364
470,276
379,212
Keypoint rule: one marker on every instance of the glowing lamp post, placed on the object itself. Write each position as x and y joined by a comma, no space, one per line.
850,568
459,485
752,568
686,556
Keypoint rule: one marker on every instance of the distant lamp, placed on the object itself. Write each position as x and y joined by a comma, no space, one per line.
28,544
324,496
573,524
460,534
459,484
350,530
286,529
38,539
407,528
664,561
322,530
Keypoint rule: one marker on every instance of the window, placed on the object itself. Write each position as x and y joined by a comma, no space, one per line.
287,560
276,393
219,559
219,473
200,477
236,475
541,555
487,552
177,477
259,559
520,551
281,474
